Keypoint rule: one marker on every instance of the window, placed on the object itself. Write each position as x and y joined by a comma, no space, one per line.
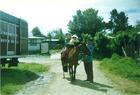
12,30
3,27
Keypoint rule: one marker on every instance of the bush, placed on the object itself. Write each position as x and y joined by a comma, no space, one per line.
107,44
124,66
101,45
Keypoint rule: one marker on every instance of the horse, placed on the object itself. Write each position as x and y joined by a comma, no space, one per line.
69,59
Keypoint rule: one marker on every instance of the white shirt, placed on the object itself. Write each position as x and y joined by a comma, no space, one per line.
73,41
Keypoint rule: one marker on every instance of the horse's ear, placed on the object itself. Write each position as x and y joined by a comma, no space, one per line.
82,42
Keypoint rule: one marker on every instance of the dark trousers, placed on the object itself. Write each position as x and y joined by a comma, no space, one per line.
65,65
89,71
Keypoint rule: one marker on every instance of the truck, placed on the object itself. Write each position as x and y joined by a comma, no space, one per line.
13,39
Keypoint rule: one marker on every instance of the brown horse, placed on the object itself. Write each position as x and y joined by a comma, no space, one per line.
69,59
73,61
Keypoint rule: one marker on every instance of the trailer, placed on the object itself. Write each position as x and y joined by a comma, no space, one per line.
13,39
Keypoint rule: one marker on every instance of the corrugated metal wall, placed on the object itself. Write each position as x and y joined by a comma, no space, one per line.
23,37
13,35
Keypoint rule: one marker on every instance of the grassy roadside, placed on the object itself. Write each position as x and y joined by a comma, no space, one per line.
123,72
14,78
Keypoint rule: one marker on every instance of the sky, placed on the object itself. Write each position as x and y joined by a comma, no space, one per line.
53,14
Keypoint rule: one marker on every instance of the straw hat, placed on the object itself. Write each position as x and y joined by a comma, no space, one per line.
74,36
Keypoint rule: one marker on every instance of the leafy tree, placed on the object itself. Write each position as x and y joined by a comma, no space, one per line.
86,21
118,21
49,36
101,45
125,43
138,26
86,37
36,32
76,26
93,22
59,34
56,34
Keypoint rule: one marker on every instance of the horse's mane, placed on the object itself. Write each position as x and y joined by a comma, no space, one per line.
85,49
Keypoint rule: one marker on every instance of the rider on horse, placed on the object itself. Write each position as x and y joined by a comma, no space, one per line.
74,40
70,43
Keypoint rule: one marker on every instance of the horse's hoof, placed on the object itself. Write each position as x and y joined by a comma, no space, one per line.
73,79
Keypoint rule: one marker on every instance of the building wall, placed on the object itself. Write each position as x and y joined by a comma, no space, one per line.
10,30
36,45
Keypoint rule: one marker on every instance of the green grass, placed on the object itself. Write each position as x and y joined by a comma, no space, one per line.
124,71
13,79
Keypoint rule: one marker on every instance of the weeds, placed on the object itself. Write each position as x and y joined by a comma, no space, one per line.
123,71
13,79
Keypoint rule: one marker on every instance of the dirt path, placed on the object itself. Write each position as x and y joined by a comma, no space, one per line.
60,86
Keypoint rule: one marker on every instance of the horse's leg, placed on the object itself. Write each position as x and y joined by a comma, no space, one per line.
63,62
70,71
74,71
63,70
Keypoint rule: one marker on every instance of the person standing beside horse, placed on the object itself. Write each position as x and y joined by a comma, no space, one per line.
88,64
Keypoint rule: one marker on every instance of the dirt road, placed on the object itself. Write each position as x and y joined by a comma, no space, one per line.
59,86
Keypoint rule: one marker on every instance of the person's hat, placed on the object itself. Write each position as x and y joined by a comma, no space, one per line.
74,36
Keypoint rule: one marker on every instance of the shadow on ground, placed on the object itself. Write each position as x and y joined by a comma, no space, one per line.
94,86
16,76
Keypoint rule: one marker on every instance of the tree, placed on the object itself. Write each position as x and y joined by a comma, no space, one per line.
57,34
93,22
138,25
49,36
118,21
36,32
76,26
86,37
86,21
101,45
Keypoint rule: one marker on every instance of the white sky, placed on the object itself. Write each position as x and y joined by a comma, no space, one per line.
51,14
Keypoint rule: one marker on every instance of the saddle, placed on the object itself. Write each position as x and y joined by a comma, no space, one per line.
68,52
71,52
64,53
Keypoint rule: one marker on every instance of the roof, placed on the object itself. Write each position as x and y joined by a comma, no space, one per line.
8,18
34,37
51,40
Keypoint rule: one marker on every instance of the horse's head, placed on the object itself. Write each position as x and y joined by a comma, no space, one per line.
83,48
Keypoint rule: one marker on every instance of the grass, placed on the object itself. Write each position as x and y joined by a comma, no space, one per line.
124,72
13,79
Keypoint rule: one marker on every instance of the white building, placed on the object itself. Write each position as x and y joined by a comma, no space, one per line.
36,45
